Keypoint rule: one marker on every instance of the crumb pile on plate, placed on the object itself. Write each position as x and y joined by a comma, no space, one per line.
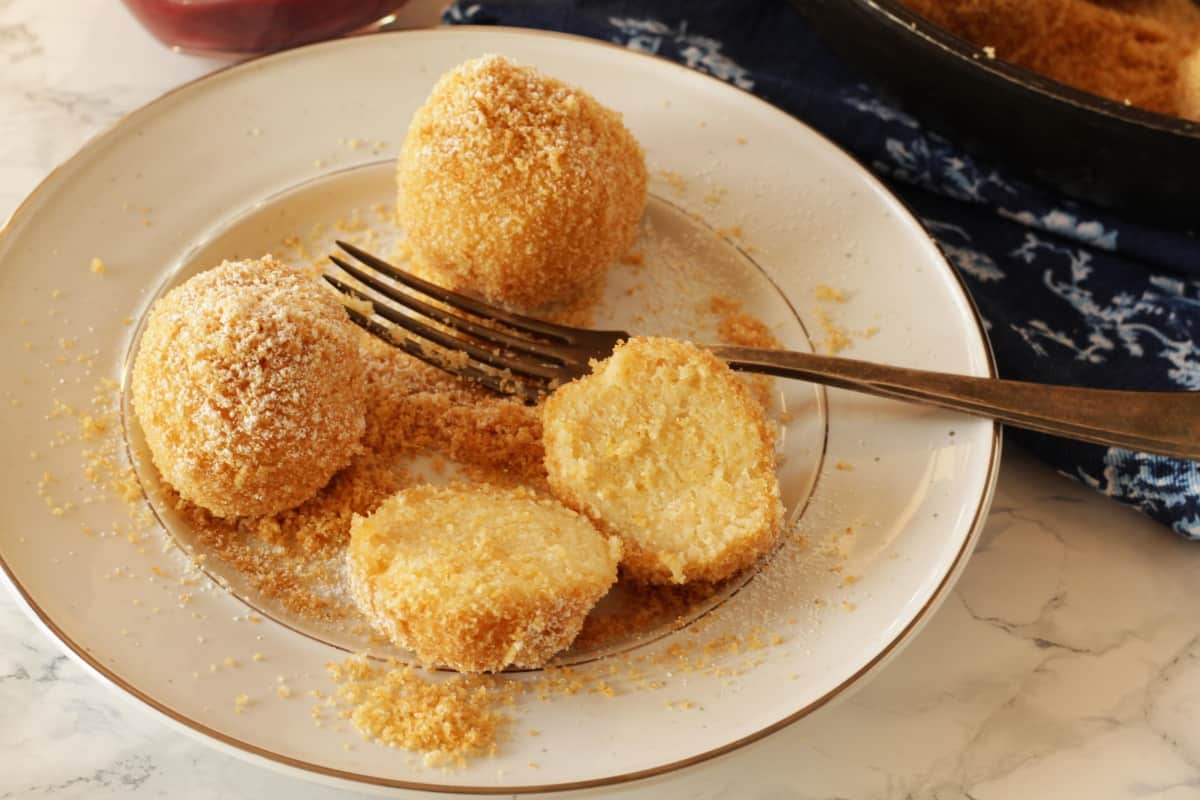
249,388
478,578
663,445
448,720
517,186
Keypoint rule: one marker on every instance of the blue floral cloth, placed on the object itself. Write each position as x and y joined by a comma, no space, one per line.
1069,293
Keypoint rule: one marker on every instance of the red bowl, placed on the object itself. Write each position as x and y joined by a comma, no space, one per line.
254,26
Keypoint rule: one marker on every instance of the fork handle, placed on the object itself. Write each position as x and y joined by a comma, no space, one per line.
1166,423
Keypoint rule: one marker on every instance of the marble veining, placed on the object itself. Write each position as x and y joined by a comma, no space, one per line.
1065,664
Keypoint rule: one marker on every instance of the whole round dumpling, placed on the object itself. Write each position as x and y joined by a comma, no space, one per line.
517,186
249,387
479,578
664,446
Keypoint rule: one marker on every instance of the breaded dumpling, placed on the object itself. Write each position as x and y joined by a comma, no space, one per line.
249,387
479,578
663,445
517,186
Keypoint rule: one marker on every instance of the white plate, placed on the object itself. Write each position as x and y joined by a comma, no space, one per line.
219,165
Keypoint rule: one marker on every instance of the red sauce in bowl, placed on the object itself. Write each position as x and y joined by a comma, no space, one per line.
254,26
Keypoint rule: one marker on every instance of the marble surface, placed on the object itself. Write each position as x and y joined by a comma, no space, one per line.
1065,664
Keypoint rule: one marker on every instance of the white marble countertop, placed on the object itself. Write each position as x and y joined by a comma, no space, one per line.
1065,664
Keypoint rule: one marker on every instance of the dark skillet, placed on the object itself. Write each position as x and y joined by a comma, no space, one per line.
1098,150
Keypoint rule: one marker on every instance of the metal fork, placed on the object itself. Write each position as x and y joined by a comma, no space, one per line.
527,357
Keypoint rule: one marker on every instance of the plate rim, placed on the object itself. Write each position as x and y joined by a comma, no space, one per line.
257,754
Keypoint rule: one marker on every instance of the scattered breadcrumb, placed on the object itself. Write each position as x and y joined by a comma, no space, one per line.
644,609
830,293
673,179
837,338
736,327
97,266
447,718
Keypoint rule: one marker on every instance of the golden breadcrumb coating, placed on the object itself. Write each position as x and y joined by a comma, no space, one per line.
478,578
248,385
518,186
1189,86
663,445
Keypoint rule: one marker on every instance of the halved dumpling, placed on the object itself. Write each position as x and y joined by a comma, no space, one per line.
479,578
663,446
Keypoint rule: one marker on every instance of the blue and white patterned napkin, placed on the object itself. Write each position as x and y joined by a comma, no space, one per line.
1070,294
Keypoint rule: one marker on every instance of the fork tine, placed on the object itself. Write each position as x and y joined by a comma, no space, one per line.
454,321
369,325
497,383
520,322
523,365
